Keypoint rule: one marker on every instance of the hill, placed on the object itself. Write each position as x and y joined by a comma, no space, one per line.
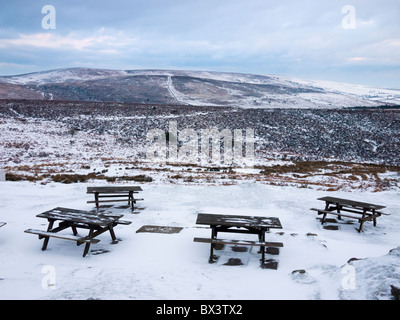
200,88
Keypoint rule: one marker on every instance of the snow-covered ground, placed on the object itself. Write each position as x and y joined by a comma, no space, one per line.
171,266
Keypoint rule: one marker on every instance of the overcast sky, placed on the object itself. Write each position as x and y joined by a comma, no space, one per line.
356,41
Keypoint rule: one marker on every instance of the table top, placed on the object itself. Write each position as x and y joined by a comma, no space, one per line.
80,216
352,203
238,221
112,189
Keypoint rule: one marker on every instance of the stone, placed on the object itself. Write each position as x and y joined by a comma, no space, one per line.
396,292
299,271
270,264
233,262
331,227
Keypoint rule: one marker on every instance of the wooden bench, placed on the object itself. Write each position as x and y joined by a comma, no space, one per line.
118,200
361,219
44,234
239,243
340,214
112,192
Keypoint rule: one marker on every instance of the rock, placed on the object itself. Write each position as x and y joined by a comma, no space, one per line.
353,259
396,292
270,264
272,250
299,271
233,262
331,227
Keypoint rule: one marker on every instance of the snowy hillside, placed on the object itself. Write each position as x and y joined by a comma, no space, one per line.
191,88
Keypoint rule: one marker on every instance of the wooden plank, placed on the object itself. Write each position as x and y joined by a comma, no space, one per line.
126,222
79,216
113,189
118,200
239,242
238,221
352,203
367,217
99,201
61,236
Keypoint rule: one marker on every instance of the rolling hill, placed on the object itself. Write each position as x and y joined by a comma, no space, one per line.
200,88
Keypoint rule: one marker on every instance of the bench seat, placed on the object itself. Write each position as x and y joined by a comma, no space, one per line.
239,242
78,239
320,211
118,200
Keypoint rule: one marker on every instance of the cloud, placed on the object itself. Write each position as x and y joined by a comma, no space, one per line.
56,41
257,36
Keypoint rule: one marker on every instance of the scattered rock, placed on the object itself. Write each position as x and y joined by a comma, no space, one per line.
239,249
395,292
299,271
272,250
331,227
233,262
311,234
270,264
98,251
353,259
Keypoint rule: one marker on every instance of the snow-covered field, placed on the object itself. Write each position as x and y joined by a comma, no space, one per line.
159,266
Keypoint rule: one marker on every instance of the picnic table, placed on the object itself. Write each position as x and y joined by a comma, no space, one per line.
94,222
362,211
125,192
238,224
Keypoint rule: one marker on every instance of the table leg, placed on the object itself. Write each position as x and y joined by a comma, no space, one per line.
130,196
338,208
261,238
362,220
214,233
96,198
46,239
327,204
87,246
111,229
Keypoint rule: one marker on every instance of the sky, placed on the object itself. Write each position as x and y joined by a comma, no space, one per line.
354,41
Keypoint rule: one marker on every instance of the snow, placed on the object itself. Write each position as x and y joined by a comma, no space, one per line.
171,266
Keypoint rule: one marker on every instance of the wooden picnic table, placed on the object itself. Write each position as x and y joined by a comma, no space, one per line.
238,224
363,211
94,222
125,192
